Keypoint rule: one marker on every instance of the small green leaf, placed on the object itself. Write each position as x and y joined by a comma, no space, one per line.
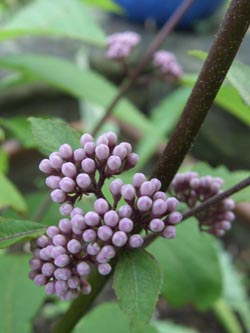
4,161
190,265
137,285
10,196
13,231
50,134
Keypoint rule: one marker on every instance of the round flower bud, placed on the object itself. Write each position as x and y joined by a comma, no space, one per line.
104,233
48,269
69,170
114,163
58,196
169,232
112,138
126,225
144,203
156,225
86,138
128,192
62,260
65,225
115,187
57,251
101,206
79,155
147,188
60,287
45,166
174,218
102,152
83,268
42,241
157,184
92,219
83,181
133,159
228,204
73,282
76,211
55,160
53,182
93,249
40,280
111,218
50,288
89,148
172,204
62,274
88,165
159,207
67,185
120,151
89,235
59,240
138,179
65,151
159,195
66,209
119,238
35,264
74,246
135,241
78,222
102,139
125,211
108,251
52,231
104,269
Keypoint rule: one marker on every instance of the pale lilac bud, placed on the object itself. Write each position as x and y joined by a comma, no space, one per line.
159,207
133,159
119,238
135,241
172,204
60,287
88,165
93,249
76,211
128,192
194,183
62,260
127,146
58,196
79,154
104,269
48,269
76,231
157,184
59,240
174,218
44,255
55,160
102,152
147,188
65,151
144,203
138,179
104,233
228,216
67,184
156,225
159,195
115,187
125,211
57,251
40,280
42,241
78,222
65,225
89,148
45,166
120,151
65,209
102,139
50,288
225,225
53,182
69,170
112,138
86,138
83,181
89,235
83,268
92,219
62,274
114,163
35,264
74,246
169,232
111,218
101,206
228,204
108,251
101,258
126,225
52,231
73,282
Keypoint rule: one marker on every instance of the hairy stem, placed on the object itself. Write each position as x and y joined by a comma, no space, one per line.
215,68
156,43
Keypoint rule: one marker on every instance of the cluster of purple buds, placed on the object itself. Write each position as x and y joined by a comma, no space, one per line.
167,64
121,44
192,189
63,259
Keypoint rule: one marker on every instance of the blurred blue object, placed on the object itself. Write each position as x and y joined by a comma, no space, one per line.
161,10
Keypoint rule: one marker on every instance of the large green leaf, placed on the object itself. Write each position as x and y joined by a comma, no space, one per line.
83,84
20,297
105,4
190,266
50,134
10,196
13,231
65,18
137,285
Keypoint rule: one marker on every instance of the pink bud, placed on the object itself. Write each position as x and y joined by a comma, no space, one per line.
58,196
83,181
79,154
67,185
128,192
114,163
53,182
55,160
65,151
86,138
45,166
102,152
88,165
69,170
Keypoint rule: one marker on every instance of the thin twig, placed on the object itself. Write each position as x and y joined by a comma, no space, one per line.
156,43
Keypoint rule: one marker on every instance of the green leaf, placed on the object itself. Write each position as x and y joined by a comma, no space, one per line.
168,327
137,285
13,231
63,18
230,178
10,196
108,5
50,134
190,266
4,161
83,84
20,297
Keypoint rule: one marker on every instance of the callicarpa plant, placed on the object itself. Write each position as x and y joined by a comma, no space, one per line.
102,215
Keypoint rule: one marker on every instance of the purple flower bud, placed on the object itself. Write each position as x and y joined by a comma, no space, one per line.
83,181
111,218
147,188
194,183
102,139
86,138
115,187
45,253
138,179
76,211
135,241
35,264
119,238
93,249
40,280
66,209
78,222
59,240
126,225
101,206
79,155
62,274
120,151
125,211
67,185
104,269
52,231
108,251
104,233
58,196
225,225
65,151
92,219
159,207
74,246
172,204
57,251
89,235
53,182
228,204
90,149
69,170
102,258
45,166
48,269
174,218
127,146
55,160
62,260
42,241
159,195
228,216
133,159
50,288
73,282
128,192
157,184
76,231
156,225
169,232
65,226
114,163
88,165
60,287
83,268
32,275
112,138
144,203
102,152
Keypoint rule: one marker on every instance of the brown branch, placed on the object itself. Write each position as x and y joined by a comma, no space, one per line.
215,68
156,43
